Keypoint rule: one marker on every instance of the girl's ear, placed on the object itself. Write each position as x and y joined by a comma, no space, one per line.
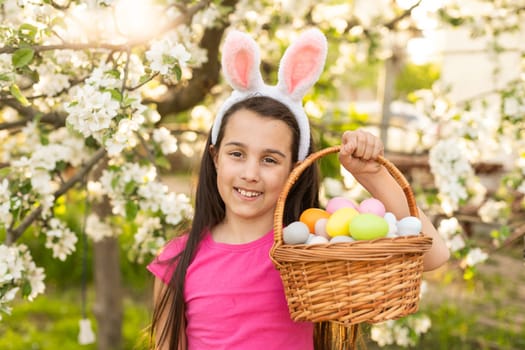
213,154
302,64
240,62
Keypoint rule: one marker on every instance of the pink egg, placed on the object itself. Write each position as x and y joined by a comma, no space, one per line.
372,206
320,228
337,203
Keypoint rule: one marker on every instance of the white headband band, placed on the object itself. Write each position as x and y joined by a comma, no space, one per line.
299,69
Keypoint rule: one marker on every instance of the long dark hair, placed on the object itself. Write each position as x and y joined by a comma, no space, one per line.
210,211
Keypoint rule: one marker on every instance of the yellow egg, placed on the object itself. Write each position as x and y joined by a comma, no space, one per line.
339,221
368,226
311,215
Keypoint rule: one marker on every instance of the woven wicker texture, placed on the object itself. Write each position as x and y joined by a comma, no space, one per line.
349,283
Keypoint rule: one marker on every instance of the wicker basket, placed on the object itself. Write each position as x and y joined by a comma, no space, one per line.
349,283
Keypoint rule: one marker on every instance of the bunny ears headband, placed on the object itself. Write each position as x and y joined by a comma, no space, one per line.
299,69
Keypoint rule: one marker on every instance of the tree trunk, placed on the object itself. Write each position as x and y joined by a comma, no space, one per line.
108,280
386,93
108,294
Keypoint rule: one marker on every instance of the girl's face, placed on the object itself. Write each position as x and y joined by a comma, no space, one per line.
253,163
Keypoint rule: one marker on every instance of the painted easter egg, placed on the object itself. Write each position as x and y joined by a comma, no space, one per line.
373,206
311,215
409,226
296,233
320,227
392,224
368,226
337,203
342,239
317,240
337,224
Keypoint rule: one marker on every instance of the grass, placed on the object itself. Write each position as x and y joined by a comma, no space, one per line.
484,313
52,322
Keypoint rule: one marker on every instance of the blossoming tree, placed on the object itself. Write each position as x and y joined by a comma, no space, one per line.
88,91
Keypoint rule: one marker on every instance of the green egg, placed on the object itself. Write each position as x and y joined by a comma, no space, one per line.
368,226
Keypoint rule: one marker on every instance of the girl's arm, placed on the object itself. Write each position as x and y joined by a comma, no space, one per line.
358,151
159,289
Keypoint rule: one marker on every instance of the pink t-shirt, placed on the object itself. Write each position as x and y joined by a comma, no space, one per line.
235,298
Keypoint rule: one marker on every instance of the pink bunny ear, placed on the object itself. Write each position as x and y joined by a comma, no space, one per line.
302,63
240,61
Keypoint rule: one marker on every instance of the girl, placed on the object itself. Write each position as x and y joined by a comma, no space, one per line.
216,287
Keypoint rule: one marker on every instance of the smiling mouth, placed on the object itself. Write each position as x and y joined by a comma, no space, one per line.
249,194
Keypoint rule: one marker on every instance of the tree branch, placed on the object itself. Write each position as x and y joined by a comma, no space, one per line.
14,234
183,96
183,18
390,25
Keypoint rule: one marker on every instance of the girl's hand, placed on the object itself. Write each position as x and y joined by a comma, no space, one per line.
359,149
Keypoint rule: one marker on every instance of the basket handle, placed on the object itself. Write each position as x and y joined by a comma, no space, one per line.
298,170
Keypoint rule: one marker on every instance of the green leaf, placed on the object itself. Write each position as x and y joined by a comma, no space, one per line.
4,172
131,210
5,77
26,288
28,30
115,94
22,57
15,91
163,163
115,181
130,187
177,71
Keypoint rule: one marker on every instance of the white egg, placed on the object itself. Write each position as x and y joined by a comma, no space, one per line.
390,217
409,226
391,234
392,229
296,233
310,237
317,240
342,239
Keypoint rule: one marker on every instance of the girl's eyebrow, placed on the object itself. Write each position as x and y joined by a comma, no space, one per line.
268,150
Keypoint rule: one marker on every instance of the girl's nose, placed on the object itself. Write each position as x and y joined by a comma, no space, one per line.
251,171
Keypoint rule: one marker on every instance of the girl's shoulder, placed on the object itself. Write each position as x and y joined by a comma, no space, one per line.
172,248
163,264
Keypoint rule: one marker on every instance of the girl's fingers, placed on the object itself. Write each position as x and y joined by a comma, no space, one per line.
361,144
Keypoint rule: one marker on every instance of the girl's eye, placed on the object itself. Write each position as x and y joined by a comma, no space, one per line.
235,154
269,160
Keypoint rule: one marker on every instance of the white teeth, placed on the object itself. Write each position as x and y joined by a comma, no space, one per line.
248,193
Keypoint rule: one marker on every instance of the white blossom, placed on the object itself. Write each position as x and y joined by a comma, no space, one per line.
208,17
493,211
164,54
176,207
50,81
451,169
6,69
17,269
146,242
455,243
100,77
5,203
420,324
60,239
92,110
152,194
475,256
167,142
97,230
75,152
123,138
382,334
402,336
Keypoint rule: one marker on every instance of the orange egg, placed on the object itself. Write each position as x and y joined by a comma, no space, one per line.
311,215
